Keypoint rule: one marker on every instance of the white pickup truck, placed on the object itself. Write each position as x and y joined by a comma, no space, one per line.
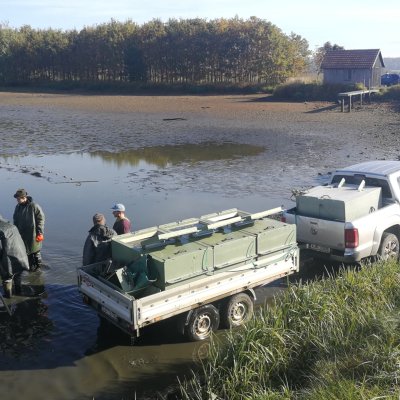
356,216
202,270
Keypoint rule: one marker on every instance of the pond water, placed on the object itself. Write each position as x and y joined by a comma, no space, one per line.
76,161
53,342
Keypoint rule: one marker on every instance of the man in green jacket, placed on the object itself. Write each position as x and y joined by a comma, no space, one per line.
29,219
13,258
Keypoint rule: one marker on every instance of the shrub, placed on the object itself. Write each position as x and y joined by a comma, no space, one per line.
299,91
390,93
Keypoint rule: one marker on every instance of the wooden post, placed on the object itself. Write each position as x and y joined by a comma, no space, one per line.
342,104
350,103
361,100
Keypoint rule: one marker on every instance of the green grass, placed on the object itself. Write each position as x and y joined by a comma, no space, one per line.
295,91
337,338
137,88
390,93
314,91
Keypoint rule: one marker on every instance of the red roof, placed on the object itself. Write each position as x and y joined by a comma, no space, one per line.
340,59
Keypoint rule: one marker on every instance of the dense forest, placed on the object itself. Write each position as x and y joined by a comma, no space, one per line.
185,51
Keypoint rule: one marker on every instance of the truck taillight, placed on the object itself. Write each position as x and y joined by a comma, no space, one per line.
283,218
351,238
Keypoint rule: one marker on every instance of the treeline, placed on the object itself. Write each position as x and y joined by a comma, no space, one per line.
191,51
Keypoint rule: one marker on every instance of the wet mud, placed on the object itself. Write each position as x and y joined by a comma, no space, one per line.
200,139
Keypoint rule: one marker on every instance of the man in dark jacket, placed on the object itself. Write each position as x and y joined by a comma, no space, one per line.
13,258
98,243
29,219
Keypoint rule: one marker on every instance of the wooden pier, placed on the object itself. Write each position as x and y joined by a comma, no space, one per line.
355,93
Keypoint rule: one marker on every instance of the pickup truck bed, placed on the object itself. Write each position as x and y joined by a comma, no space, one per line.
348,223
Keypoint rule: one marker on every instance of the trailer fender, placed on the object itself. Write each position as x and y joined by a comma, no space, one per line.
252,294
183,321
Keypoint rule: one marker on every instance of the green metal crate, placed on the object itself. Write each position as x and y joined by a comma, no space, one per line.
125,248
230,248
345,203
175,263
271,235
189,249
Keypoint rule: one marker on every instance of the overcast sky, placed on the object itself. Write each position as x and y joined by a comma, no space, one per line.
354,24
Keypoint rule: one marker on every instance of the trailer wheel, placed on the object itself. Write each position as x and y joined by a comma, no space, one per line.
237,310
202,322
389,247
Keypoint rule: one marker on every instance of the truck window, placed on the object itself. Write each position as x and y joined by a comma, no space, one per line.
356,180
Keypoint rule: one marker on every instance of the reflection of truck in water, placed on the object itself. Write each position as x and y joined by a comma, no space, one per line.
201,270
354,217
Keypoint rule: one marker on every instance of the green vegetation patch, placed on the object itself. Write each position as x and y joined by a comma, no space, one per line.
299,91
316,91
337,338
389,94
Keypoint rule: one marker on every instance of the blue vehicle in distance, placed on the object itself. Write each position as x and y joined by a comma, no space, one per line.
390,79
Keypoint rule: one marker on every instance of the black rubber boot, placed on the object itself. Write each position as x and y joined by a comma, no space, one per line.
31,263
38,259
35,261
17,284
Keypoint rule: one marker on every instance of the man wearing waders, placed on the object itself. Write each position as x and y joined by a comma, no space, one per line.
13,258
29,219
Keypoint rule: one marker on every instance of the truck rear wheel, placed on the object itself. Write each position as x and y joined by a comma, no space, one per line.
389,247
202,322
237,310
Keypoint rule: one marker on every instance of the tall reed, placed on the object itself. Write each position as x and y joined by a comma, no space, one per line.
337,338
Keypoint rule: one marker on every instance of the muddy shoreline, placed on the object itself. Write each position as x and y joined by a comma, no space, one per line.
26,123
289,144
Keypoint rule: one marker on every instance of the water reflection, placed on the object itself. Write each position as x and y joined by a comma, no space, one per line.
192,153
23,332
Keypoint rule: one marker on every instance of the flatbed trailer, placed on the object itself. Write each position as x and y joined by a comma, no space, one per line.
220,295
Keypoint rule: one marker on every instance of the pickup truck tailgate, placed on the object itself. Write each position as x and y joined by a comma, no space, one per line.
320,232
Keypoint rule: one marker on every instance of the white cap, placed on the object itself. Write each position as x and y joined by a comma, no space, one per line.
118,207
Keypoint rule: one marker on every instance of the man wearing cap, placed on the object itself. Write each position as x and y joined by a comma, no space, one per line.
13,258
122,223
29,219
98,243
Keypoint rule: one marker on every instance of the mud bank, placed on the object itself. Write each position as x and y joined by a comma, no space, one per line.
285,142
93,123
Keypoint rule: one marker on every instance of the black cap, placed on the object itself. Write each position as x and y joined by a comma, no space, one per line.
21,193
